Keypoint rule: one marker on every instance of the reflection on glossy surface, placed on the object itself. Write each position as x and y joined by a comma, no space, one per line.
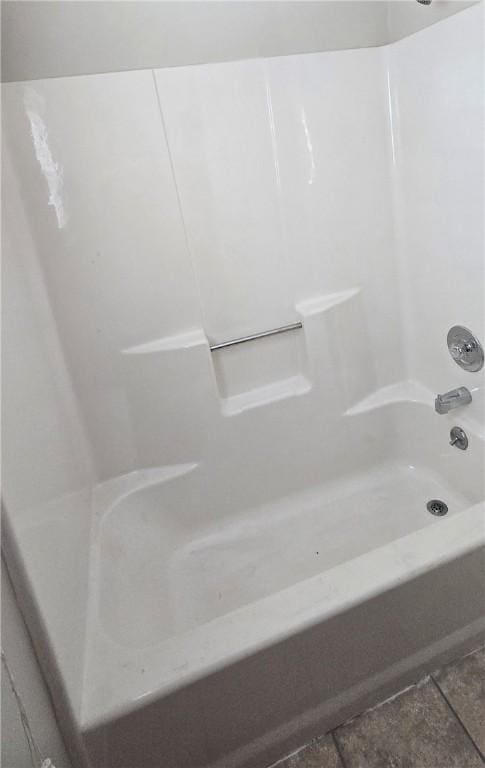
272,128
52,170
391,117
309,145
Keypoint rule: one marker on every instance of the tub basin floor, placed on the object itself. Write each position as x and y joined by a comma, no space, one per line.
260,552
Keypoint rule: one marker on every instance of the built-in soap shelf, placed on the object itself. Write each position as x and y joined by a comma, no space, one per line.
278,390
269,369
261,371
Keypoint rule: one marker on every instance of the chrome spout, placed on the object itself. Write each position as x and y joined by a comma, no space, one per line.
452,399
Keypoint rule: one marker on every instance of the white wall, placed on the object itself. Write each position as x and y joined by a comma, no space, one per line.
438,86
54,39
406,16
216,199
213,198
32,692
97,190
48,454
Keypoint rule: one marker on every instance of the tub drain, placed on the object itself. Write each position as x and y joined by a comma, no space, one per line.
437,507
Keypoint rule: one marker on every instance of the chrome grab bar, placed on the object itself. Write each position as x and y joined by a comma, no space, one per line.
273,332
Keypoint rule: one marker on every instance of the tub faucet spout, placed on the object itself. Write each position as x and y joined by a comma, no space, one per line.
452,399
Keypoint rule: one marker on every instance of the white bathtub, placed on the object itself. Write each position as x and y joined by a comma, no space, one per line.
221,623
221,553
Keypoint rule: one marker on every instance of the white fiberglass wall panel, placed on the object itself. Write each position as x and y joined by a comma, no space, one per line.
47,466
222,138
283,168
96,183
45,451
283,200
334,144
438,86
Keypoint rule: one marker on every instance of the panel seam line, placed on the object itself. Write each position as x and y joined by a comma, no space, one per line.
179,200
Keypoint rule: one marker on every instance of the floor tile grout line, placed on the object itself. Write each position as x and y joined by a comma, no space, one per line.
337,747
429,677
458,718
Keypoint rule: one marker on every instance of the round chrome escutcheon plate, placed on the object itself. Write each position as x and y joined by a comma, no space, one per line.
465,348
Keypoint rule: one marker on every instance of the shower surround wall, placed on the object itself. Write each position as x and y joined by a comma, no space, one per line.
269,169
437,84
153,213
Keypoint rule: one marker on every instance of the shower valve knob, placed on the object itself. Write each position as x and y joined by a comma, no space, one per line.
465,349
462,351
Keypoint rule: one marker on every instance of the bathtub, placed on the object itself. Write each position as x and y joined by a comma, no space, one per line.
221,613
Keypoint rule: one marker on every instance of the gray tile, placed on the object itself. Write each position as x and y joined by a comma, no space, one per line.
318,754
415,730
463,684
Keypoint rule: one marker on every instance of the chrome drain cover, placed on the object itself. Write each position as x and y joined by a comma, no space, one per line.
437,507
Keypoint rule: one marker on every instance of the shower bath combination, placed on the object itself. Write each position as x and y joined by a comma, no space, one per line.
237,512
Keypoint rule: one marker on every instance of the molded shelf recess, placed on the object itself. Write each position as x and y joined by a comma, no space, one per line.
278,390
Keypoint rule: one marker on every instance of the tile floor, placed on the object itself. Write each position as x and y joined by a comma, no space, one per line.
438,723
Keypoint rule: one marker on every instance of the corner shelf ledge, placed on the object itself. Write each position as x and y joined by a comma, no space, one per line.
319,304
399,392
178,342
